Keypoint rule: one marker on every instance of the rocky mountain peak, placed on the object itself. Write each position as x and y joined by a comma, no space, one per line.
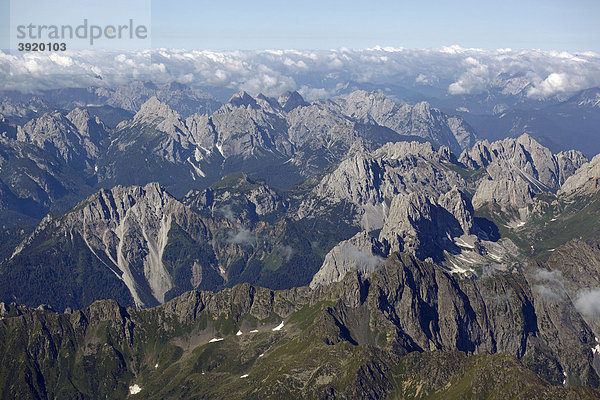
268,104
112,205
290,100
56,133
128,228
419,120
588,98
371,107
517,169
155,119
410,219
242,99
371,180
49,121
457,203
364,97
78,114
87,125
361,253
586,180
153,109
422,108
399,150
249,199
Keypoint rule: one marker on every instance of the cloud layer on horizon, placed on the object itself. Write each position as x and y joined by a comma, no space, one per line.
315,74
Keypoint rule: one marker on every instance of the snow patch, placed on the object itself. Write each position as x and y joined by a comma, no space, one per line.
462,257
156,366
458,269
495,257
278,327
261,355
244,376
198,156
215,340
220,148
134,389
462,243
239,333
254,331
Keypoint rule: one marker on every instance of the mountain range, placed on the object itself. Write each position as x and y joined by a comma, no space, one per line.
158,243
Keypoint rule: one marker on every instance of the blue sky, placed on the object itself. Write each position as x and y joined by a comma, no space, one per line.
325,24
549,24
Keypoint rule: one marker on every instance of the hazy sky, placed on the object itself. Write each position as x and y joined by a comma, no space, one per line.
546,24
325,24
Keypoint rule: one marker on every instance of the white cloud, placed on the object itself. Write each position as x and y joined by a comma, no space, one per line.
61,60
243,236
588,302
227,212
554,277
364,260
455,69
474,80
561,82
286,251
551,285
424,79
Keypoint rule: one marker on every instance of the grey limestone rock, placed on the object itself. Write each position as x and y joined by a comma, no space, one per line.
586,180
516,169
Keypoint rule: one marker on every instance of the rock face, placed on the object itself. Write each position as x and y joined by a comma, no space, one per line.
130,231
418,225
22,110
404,196
574,276
588,98
369,181
291,100
361,253
76,138
172,139
586,180
423,207
245,124
517,169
